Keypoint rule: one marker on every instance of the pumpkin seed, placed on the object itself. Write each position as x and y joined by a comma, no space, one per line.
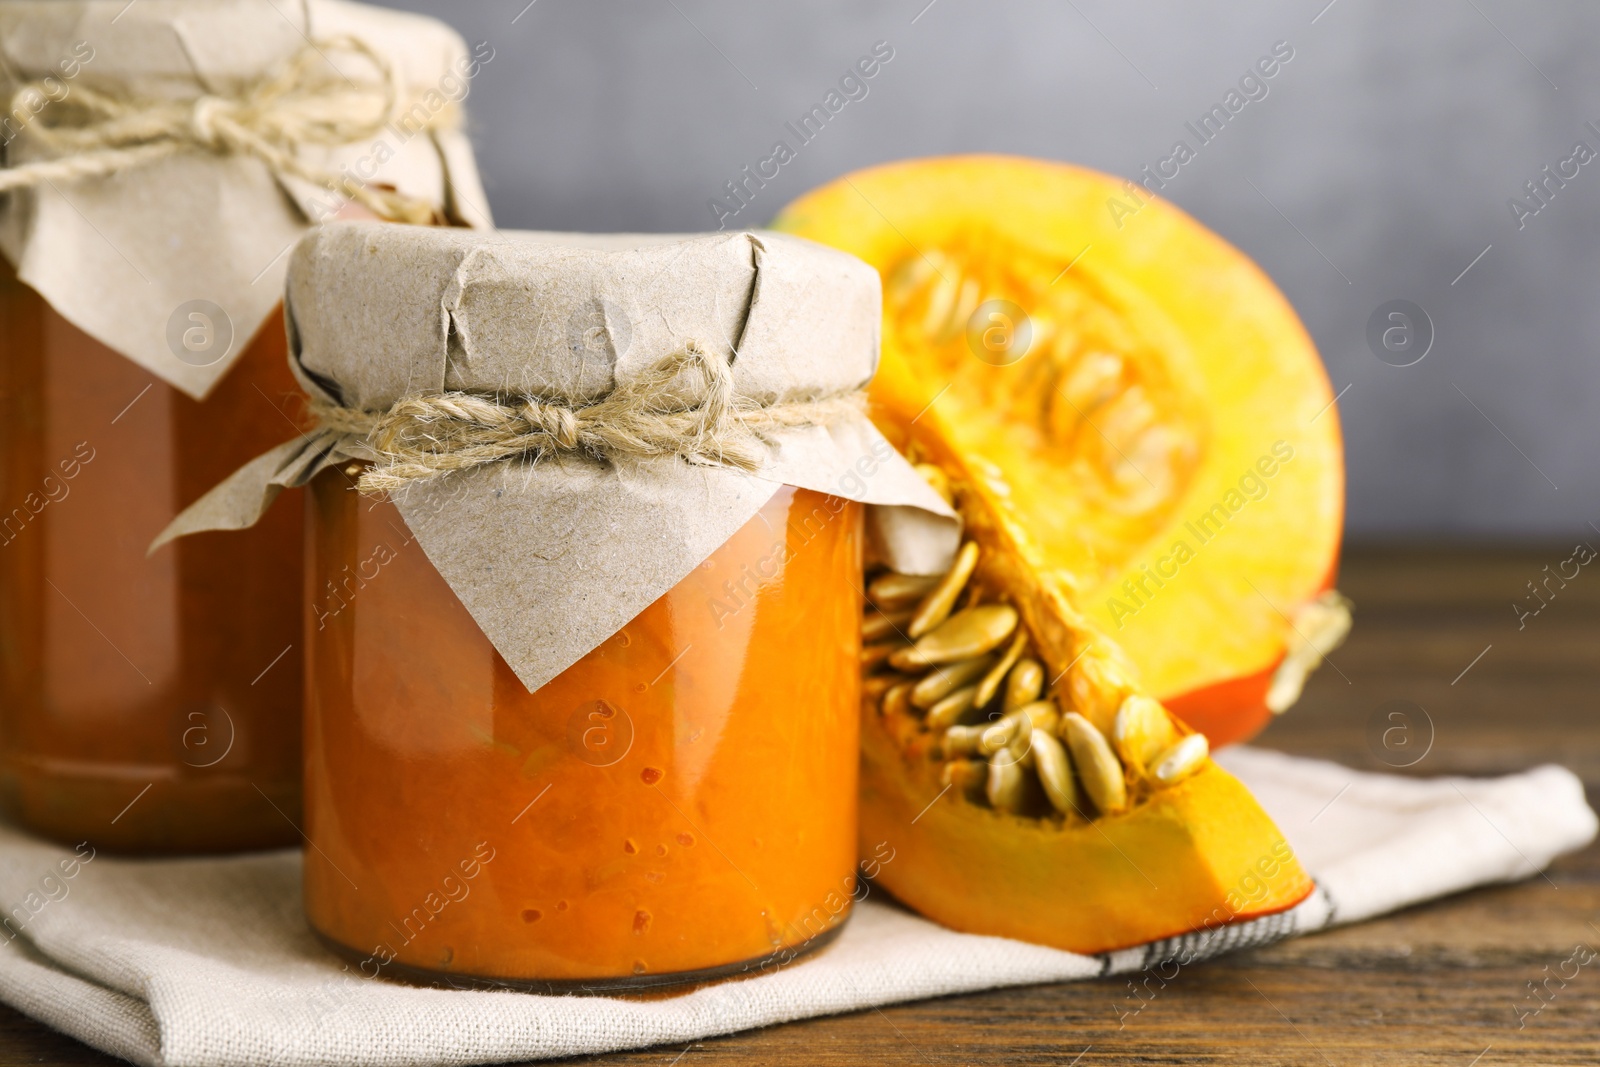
881,626
966,304
1055,773
1004,731
1006,783
1021,747
969,777
897,701
1024,684
893,591
966,634
1181,760
875,685
1142,731
961,740
935,607
875,655
997,673
951,708
941,304
1098,769
937,480
942,681
1042,714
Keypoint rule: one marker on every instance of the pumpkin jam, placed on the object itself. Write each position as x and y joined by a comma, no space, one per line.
146,704
678,804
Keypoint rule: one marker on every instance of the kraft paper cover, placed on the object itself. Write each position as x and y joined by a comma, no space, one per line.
118,256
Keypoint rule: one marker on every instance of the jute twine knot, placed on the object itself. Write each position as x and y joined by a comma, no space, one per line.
683,406
294,106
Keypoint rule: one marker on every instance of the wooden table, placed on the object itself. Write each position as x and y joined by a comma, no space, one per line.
1437,984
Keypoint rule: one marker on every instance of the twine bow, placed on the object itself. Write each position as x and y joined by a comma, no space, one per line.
293,106
683,406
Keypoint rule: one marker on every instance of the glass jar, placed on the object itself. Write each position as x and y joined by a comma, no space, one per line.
680,804
148,704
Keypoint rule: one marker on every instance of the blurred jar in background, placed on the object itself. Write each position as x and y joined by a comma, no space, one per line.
151,702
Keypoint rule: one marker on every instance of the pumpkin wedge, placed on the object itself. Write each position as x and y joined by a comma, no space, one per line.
1132,401
1026,787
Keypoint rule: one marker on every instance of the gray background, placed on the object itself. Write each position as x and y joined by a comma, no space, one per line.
1382,162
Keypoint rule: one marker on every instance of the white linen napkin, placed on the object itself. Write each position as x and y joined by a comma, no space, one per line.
208,961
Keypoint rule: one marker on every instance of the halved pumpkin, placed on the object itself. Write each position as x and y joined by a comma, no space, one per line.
1140,410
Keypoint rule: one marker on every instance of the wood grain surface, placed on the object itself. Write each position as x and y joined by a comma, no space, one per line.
1438,984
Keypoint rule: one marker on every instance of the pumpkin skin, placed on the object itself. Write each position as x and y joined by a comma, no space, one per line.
1121,415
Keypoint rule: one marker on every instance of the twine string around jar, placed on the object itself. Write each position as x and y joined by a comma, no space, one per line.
292,107
683,406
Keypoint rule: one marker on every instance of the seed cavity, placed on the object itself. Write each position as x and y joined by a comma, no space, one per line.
969,693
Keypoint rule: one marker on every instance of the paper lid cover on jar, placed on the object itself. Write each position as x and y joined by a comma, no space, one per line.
676,382
162,157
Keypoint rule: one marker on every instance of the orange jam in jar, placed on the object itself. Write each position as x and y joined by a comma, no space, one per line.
679,804
147,704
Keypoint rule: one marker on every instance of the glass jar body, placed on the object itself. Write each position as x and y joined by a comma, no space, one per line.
147,704
679,804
